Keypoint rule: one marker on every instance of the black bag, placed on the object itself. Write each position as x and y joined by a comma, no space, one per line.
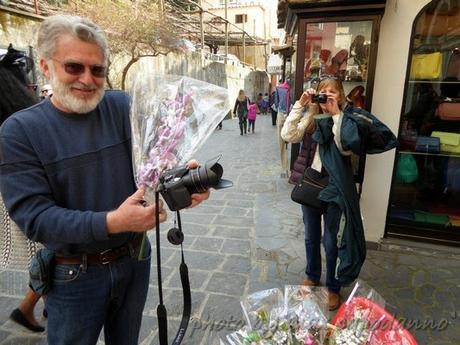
307,191
41,270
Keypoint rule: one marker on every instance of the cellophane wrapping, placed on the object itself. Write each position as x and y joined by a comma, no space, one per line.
300,317
293,317
362,320
171,118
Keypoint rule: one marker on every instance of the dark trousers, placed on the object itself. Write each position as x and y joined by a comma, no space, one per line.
274,114
252,124
312,222
243,122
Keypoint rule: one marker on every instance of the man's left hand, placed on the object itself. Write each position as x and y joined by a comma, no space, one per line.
197,198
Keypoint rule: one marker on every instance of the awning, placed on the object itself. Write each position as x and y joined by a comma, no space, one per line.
285,5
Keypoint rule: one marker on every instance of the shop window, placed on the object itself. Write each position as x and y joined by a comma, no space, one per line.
340,49
425,194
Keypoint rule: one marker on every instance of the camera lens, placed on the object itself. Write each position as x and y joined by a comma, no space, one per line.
200,179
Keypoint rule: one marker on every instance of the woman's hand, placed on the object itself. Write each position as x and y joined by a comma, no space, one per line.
332,104
305,99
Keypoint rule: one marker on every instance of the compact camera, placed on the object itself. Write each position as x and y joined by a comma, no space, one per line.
319,98
177,185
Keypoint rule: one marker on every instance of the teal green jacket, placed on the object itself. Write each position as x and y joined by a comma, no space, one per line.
360,132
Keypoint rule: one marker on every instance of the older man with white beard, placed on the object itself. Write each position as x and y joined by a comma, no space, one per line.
67,181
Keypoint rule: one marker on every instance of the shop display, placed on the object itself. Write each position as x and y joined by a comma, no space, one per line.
429,133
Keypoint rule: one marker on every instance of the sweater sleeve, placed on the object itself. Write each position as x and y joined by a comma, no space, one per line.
236,106
29,199
294,127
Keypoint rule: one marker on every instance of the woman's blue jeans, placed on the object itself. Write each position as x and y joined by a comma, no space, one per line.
82,300
312,223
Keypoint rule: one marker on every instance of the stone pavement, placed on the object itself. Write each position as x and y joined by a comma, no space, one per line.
249,238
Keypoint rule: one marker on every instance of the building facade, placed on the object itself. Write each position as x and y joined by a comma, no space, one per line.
256,18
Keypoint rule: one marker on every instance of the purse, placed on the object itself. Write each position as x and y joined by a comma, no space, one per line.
41,271
307,191
426,66
450,142
449,111
431,218
406,170
427,144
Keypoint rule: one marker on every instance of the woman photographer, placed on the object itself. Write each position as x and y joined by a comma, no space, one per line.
330,131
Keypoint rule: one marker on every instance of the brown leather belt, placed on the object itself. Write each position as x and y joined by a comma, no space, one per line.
102,258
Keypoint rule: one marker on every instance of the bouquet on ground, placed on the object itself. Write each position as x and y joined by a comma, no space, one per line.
296,317
171,118
362,320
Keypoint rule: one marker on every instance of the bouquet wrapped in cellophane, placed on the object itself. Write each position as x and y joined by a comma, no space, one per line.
297,317
300,317
171,117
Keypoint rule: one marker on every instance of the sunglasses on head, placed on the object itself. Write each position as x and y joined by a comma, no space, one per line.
76,68
324,77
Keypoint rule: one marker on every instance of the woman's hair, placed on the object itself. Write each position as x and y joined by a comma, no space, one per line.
15,96
316,109
241,95
55,26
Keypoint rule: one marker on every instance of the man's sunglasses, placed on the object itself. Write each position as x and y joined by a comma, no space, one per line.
76,68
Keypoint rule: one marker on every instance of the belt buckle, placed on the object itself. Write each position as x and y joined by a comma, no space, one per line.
104,259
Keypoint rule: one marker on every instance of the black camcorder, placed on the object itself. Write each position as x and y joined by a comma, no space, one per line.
177,185
319,98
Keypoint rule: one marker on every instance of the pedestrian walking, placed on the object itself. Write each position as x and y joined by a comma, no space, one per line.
241,110
259,101
67,180
252,114
273,107
327,143
283,105
265,103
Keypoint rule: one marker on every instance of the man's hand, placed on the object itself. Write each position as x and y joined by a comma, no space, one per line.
197,198
133,215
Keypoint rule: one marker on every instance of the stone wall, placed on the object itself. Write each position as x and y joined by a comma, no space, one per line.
233,78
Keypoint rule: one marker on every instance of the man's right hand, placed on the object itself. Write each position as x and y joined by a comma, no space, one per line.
133,215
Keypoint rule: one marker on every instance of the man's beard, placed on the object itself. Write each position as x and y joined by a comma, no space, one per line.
63,94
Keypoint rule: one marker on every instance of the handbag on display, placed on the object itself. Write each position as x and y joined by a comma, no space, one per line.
427,144
307,191
431,218
450,142
426,66
449,110
406,170
432,25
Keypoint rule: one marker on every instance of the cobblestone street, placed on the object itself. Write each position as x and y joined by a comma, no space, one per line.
249,238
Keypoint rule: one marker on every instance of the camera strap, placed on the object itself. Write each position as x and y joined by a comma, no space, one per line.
161,309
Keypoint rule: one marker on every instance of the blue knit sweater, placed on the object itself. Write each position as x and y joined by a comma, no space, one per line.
61,173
